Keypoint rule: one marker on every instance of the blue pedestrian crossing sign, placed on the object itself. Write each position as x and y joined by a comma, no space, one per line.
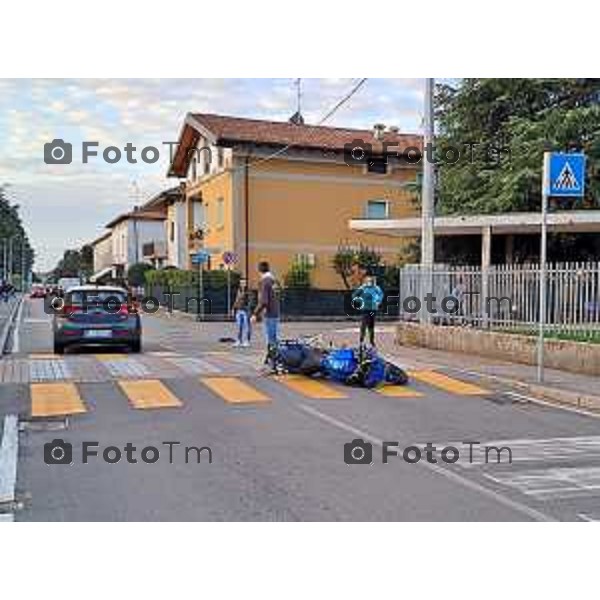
564,174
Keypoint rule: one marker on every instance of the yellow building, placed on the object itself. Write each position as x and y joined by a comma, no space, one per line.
280,191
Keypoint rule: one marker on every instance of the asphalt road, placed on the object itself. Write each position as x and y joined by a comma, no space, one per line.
277,445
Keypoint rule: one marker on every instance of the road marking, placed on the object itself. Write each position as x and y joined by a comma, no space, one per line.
444,472
55,399
193,366
553,482
398,391
309,387
17,330
149,393
9,451
42,356
126,367
585,517
7,518
448,384
110,357
42,369
233,390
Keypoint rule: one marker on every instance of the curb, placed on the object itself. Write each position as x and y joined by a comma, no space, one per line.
9,323
553,395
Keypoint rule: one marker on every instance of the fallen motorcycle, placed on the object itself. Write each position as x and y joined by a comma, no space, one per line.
361,366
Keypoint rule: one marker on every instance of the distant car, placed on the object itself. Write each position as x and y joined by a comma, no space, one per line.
37,291
97,315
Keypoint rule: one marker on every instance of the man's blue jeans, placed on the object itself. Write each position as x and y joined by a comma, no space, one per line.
272,330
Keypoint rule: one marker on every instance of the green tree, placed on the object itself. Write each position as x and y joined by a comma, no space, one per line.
299,275
513,121
136,274
13,236
349,258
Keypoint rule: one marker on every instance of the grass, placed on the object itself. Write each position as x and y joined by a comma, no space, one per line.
588,336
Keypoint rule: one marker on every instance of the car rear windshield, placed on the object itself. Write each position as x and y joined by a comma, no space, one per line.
108,298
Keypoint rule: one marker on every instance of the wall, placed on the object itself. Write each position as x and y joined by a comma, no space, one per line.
568,356
103,256
304,208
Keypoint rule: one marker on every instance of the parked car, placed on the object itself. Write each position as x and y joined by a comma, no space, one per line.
97,315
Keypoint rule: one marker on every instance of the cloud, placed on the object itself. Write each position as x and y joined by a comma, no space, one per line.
67,205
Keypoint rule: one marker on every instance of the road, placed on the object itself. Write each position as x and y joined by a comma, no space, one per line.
273,448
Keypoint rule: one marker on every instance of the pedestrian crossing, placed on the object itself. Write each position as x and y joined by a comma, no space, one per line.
65,398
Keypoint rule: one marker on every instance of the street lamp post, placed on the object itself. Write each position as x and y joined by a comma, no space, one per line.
427,201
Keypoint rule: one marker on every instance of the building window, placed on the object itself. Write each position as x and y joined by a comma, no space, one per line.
377,209
377,164
220,213
220,157
172,231
207,161
194,169
199,215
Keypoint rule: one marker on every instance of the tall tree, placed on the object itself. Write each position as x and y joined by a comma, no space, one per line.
513,121
13,236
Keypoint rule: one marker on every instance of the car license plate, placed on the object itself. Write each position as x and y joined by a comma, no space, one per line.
97,333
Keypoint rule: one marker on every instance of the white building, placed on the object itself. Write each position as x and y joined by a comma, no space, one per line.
138,236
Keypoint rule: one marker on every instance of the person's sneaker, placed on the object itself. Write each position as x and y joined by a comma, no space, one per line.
237,344
246,344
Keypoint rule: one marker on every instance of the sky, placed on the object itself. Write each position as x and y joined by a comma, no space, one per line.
65,206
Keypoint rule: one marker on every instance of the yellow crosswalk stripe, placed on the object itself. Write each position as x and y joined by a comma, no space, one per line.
448,384
55,399
148,393
44,355
310,387
398,391
110,356
234,390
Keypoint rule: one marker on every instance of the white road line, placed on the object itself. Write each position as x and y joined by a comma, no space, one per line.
17,330
9,449
444,472
585,517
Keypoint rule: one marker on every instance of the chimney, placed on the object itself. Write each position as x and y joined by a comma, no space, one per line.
378,131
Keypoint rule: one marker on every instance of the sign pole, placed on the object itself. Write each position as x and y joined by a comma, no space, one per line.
199,291
543,268
228,290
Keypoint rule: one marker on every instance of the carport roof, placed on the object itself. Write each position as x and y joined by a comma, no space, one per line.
580,221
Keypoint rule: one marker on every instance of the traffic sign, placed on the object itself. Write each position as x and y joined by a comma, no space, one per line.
201,257
229,258
564,174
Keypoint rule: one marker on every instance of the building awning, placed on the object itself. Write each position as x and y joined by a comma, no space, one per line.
102,274
575,221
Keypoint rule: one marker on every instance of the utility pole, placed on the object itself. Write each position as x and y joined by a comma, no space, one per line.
427,202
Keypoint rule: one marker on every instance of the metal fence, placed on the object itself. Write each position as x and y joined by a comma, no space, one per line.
504,296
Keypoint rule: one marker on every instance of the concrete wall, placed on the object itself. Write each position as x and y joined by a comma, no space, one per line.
103,257
576,357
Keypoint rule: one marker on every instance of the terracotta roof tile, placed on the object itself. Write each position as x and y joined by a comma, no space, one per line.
277,133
